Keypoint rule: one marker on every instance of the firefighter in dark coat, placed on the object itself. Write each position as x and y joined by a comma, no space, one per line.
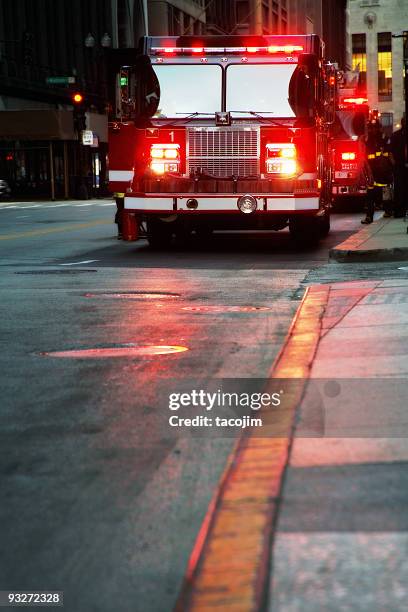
380,167
399,158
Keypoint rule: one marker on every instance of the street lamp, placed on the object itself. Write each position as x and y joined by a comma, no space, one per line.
106,41
90,41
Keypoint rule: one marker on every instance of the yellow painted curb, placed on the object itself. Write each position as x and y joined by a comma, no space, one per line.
229,566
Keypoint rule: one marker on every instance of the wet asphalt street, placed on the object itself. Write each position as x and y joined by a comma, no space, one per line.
101,498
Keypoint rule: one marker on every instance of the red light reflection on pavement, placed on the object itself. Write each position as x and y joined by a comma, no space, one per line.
118,351
225,308
135,295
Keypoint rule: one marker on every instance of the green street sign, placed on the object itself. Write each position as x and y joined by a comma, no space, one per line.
64,80
123,81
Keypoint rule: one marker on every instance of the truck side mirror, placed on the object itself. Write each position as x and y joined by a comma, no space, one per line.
149,87
302,86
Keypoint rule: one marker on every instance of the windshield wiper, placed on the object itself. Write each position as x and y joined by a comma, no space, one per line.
194,114
189,117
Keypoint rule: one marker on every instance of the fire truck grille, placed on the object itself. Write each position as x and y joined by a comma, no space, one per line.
223,152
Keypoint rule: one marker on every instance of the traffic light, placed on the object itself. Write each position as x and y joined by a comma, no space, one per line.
77,98
28,48
79,111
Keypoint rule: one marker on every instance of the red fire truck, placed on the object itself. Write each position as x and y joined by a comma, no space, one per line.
220,133
348,148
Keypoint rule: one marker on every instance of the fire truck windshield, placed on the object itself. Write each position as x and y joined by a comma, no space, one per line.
184,87
261,87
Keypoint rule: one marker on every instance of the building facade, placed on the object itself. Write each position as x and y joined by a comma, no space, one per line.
176,17
327,18
375,50
48,51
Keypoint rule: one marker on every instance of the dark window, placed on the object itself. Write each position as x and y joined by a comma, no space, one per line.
174,17
275,23
265,18
387,122
197,26
242,8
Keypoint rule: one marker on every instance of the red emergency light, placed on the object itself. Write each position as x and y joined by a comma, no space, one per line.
164,158
357,101
348,156
281,159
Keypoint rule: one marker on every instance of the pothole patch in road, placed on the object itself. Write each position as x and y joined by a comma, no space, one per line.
124,350
222,309
135,295
76,271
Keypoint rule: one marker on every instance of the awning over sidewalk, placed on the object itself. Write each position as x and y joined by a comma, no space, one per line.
37,125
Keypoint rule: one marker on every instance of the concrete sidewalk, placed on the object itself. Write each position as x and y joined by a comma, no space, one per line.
383,240
311,516
342,534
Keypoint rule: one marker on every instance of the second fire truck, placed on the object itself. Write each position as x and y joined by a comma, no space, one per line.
223,133
347,145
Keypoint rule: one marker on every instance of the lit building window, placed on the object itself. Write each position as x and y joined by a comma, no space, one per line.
359,57
384,66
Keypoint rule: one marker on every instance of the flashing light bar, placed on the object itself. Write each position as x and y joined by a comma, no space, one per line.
357,101
284,49
289,49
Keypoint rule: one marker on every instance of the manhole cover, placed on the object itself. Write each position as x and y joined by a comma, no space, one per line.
135,295
81,271
117,351
225,308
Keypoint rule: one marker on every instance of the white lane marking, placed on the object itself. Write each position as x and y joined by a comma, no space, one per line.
22,217
78,263
33,206
56,205
403,268
108,204
78,205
